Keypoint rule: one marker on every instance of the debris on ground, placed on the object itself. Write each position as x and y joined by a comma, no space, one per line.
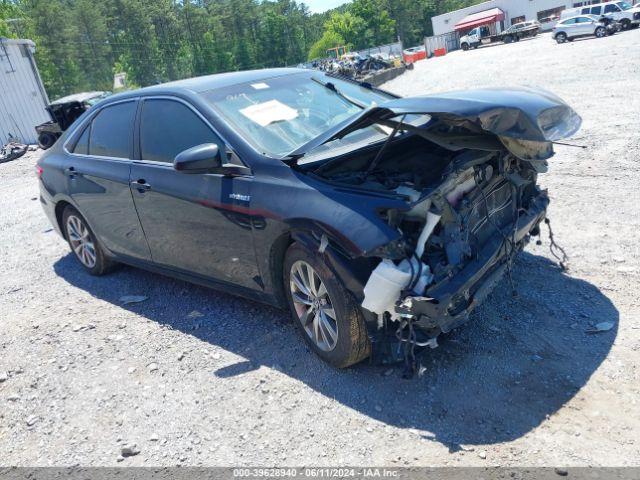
601,327
12,151
129,299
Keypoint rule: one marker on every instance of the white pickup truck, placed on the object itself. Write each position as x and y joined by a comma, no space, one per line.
482,36
620,11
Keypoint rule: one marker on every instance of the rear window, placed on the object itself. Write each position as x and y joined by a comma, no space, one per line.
611,8
82,146
596,10
111,131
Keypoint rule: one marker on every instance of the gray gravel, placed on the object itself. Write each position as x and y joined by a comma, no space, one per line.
85,379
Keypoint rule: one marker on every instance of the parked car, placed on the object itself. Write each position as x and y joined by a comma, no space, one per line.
620,11
379,221
547,23
580,26
64,112
521,30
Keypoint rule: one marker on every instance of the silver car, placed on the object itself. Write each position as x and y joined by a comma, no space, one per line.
578,26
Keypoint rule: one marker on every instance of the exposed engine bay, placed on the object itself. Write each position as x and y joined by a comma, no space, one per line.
469,212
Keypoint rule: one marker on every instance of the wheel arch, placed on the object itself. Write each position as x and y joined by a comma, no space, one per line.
61,205
353,272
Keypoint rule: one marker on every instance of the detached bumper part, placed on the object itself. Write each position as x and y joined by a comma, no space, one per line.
447,304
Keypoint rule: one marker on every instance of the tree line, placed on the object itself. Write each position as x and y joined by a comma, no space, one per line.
80,44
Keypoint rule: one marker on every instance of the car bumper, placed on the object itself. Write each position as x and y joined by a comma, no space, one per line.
49,207
448,304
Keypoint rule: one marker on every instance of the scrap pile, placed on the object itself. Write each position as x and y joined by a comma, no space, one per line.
12,150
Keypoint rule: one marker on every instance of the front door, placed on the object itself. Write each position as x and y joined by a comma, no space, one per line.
98,180
193,223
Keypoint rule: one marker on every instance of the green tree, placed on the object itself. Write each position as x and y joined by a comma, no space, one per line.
328,40
349,27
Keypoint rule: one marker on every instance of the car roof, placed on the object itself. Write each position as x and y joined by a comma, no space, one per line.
220,80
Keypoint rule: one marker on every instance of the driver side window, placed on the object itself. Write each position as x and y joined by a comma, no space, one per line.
168,127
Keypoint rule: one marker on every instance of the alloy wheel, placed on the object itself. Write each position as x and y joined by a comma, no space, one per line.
80,240
313,306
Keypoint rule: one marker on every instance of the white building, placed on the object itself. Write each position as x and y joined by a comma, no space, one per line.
22,95
511,11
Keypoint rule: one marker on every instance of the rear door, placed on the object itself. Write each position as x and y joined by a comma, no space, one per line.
98,179
194,223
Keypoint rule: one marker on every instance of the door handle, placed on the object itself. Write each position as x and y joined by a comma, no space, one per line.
71,172
141,185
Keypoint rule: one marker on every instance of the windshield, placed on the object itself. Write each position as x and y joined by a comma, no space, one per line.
280,114
623,5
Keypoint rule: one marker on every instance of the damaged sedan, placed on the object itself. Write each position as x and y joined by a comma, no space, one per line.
379,221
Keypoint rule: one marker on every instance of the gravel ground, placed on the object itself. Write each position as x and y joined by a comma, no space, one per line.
193,377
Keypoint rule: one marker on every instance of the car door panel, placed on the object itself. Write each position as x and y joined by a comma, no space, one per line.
99,187
196,223
193,225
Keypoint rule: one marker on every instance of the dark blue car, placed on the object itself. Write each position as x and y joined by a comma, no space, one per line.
380,222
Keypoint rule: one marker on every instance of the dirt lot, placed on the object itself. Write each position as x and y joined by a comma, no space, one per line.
523,383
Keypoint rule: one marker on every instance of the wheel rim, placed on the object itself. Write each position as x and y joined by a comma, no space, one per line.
313,306
600,32
81,242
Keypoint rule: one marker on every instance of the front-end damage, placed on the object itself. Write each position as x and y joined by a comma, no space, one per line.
469,181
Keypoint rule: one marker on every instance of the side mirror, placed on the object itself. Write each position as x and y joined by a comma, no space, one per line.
199,159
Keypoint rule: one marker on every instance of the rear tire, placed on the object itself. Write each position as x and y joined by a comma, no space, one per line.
84,244
508,39
465,46
46,140
625,23
315,301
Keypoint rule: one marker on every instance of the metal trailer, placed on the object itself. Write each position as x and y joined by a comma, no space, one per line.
23,99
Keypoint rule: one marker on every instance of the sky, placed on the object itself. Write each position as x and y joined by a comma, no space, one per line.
317,6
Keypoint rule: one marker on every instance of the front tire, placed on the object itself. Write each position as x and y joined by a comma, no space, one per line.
601,32
465,46
625,23
84,244
561,37
323,310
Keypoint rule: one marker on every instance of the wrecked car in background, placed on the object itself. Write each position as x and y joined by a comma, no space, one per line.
64,111
379,221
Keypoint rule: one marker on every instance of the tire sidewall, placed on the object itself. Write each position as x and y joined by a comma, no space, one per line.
344,306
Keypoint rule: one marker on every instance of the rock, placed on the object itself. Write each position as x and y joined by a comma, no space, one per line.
181,356
482,454
129,299
32,420
195,314
378,408
129,450
4,376
561,471
215,356
152,367
536,358
388,372
131,370
154,437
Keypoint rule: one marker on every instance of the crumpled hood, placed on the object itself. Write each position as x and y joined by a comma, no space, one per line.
521,114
